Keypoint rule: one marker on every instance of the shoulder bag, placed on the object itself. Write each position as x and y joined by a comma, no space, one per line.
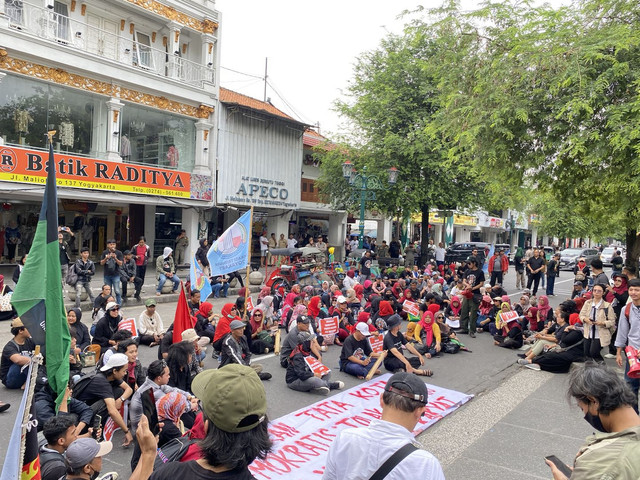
393,460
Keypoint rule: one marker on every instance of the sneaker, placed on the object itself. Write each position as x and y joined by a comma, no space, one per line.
320,391
264,376
609,355
158,294
266,350
137,297
472,334
533,366
522,361
323,348
336,385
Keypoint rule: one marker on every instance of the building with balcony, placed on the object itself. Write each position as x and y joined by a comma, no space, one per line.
130,86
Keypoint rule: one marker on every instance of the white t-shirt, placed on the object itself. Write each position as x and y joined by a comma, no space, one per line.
291,243
357,453
264,243
440,253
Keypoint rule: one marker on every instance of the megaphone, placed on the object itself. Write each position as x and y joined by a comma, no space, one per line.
634,364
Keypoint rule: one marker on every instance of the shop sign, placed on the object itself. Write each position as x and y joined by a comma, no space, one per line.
30,166
262,192
458,219
488,221
534,218
522,222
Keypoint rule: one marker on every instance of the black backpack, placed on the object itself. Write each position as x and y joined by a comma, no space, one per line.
172,451
82,384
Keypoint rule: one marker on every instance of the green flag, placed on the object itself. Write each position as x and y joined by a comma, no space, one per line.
38,295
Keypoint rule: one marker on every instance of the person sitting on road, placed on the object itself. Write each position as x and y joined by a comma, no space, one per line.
170,407
362,452
548,337
15,355
385,311
106,391
84,458
206,321
607,402
394,341
300,377
356,354
426,336
107,326
570,349
149,325
194,301
119,336
59,432
290,342
77,329
135,373
235,349
228,314
510,331
45,405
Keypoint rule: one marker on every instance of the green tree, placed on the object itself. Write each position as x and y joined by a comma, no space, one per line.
550,97
392,100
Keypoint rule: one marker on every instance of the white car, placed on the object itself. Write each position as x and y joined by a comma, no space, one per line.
607,253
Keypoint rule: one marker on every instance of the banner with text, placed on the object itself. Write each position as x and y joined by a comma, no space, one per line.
302,439
412,308
329,326
316,366
28,166
376,342
231,251
129,324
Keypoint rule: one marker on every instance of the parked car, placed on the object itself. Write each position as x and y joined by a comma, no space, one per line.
459,252
569,256
607,253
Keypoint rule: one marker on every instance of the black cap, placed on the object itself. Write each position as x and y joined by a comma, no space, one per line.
407,385
127,252
303,319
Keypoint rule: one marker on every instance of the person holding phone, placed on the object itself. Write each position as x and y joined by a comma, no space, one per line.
607,403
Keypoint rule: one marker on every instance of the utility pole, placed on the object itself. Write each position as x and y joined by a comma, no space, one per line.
266,60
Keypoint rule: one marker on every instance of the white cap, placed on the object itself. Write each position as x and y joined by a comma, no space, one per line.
110,305
363,328
342,299
116,360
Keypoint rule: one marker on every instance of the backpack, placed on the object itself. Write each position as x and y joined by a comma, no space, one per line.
82,384
580,276
172,451
71,278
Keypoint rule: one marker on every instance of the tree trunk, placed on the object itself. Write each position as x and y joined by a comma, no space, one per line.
633,247
424,236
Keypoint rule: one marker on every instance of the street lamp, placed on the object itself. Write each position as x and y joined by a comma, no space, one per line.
365,187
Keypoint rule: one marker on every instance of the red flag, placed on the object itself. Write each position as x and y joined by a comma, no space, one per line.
183,320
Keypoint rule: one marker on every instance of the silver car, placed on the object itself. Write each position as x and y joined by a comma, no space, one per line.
569,257
607,253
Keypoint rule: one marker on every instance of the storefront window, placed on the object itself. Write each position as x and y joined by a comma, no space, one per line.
168,226
158,138
28,109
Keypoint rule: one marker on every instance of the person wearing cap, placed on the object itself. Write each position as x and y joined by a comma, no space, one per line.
345,318
578,289
235,349
234,407
149,326
158,381
393,342
165,270
128,276
107,326
300,377
107,391
15,355
199,346
356,353
290,342
84,458
358,453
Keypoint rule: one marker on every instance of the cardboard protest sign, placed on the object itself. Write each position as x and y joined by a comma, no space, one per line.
376,342
249,304
129,324
412,308
316,366
507,317
302,438
329,326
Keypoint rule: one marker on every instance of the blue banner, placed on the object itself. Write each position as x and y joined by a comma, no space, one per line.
199,280
230,252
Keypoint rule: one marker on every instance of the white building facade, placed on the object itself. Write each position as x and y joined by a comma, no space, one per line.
130,86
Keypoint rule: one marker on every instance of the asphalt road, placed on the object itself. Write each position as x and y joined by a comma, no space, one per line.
516,417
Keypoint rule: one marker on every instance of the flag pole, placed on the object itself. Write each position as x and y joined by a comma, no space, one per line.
36,361
248,271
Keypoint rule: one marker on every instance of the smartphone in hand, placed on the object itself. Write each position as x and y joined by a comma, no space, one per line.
563,467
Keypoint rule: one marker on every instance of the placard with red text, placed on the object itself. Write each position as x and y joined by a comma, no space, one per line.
316,366
376,342
329,326
412,308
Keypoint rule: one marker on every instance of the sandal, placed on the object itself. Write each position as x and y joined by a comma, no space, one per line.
425,373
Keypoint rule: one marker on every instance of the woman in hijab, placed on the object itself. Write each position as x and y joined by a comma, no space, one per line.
452,312
531,319
299,309
288,305
258,335
384,312
506,333
264,291
427,335
350,280
170,408
486,314
314,309
205,321
523,305
367,289
617,296
545,312
77,329
7,312
582,272
266,305
229,313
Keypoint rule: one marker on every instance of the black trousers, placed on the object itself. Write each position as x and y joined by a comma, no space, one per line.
592,349
392,363
496,277
137,282
534,279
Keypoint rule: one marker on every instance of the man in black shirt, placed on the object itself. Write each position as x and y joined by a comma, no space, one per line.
106,392
535,267
356,354
365,266
112,259
617,262
473,280
15,355
553,270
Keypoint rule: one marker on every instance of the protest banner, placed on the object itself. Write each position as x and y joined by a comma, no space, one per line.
412,308
376,342
316,366
302,438
129,324
329,326
249,304
507,317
